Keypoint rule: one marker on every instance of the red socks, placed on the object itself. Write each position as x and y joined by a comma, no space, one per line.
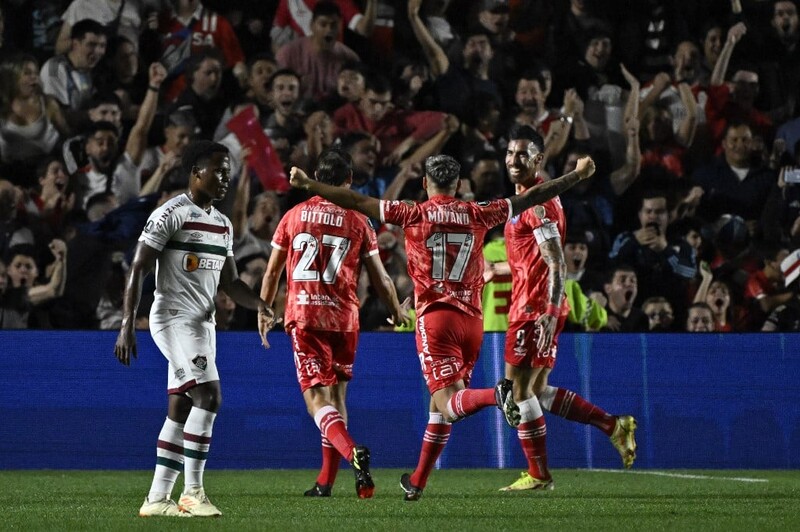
436,435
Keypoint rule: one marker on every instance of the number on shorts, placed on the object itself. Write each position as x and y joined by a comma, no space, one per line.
305,270
437,242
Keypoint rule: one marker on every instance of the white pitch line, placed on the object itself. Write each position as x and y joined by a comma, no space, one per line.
679,475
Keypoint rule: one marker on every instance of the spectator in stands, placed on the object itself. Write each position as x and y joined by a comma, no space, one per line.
402,134
260,68
660,146
727,105
456,84
621,288
118,16
319,57
716,293
284,87
180,128
293,19
573,23
730,184
13,229
660,316
30,122
68,77
661,269
765,287
24,291
204,79
108,169
318,135
711,39
494,16
105,107
699,318
119,74
779,60
576,254
486,176
53,197
187,30
786,317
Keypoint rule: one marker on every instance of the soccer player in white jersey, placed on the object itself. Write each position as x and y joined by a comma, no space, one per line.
189,243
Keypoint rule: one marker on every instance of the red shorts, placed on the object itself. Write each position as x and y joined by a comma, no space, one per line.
322,358
448,345
521,350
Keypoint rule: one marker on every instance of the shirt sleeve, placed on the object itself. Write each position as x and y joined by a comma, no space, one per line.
53,83
280,238
159,228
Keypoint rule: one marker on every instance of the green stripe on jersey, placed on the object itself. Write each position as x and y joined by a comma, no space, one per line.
197,248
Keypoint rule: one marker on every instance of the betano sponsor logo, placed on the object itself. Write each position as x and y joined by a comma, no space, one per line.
192,262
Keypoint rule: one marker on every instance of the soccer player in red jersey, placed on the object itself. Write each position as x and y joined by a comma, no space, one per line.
444,241
535,241
322,247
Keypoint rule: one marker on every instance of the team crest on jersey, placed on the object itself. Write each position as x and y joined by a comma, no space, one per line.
195,214
192,262
539,211
408,202
201,362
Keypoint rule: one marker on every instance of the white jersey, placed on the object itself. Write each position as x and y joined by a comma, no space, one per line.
194,245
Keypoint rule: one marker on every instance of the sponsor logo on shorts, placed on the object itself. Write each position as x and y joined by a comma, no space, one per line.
519,344
180,373
201,362
192,262
423,335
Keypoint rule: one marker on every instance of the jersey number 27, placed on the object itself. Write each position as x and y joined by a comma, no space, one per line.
309,245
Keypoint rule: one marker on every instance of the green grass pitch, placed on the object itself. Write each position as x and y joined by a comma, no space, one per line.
454,500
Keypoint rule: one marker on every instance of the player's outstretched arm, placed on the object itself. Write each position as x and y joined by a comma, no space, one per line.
343,197
144,260
545,191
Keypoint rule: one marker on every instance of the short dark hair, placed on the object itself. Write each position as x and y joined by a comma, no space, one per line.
326,9
611,272
26,250
282,72
377,83
195,60
199,152
103,98
334,166
100,125
443,170
349,140
260,56
523,132
87,25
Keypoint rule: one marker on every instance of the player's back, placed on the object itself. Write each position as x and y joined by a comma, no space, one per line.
444,243
325,245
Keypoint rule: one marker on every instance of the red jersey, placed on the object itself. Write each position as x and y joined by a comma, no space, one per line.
325,246
206,29
444,244
529,273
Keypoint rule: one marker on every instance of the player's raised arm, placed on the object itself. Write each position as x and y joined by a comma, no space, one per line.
144,260
343,197
545,191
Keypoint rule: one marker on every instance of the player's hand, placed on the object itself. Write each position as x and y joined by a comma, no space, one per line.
547,330
585,167
266,320
402,315
125,346
299,179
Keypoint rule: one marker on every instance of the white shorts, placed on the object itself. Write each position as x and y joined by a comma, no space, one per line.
190,348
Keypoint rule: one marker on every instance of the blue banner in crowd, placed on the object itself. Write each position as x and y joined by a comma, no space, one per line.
702,401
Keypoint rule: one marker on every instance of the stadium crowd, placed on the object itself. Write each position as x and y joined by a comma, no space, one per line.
687,107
